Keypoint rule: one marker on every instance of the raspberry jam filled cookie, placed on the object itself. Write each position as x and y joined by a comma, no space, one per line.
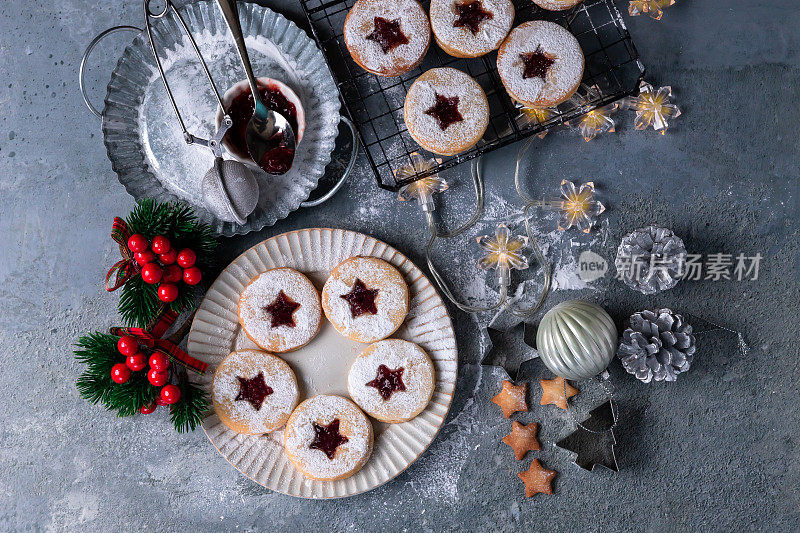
280,310
540,64
365,298
387,37
328,438
392,380
446,111
253,392
471,28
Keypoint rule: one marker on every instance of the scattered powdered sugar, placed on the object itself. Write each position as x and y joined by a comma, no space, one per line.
262,291
323,410
491,32
472,105
277,375
360,22
391,301
418,378
564,74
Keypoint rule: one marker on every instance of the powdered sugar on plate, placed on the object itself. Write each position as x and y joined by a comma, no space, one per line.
323,410
262,291
491,31
417,377
563,76
360,23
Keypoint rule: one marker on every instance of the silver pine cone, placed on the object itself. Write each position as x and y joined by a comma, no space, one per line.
657,345
651,259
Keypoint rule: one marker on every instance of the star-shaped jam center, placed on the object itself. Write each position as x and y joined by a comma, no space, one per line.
470,15
327,438
445,111
282,310
388,381
387,34
253,390
536,64
361,299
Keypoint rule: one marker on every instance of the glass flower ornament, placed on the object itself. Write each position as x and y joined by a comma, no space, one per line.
503,252
653,107
423,189
534,116
653,8
578,207
598,120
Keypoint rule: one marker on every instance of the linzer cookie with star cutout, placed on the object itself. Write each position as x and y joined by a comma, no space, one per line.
328,438
280,310
471,28
446,111
387,38
365,298
392,380
540,64
253,392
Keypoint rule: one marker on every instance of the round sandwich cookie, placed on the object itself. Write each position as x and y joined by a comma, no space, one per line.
392,380
280,310
328,438
253,392
557,5
365,298
471,28
446,111
387,37
540,64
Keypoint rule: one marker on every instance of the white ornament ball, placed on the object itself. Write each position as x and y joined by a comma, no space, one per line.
576,339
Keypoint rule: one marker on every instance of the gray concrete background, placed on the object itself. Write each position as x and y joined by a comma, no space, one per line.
718,450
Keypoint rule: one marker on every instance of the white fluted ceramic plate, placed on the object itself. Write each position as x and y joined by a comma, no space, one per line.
322,365
143,137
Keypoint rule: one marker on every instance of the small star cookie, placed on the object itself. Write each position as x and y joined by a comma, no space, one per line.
553,392
522,439
512,398
537,479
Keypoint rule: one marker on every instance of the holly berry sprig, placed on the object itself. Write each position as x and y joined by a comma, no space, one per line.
122,377
173,250
158,373
163,266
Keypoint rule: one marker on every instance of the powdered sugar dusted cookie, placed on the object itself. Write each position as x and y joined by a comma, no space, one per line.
253,392
557,5
365,298
471,28
387,37
540,64
280,310
328,438
392,380
446,111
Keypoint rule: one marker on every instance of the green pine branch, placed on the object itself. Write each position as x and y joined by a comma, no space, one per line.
188,413
98,351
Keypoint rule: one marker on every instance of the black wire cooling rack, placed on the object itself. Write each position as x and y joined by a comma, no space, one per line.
376,103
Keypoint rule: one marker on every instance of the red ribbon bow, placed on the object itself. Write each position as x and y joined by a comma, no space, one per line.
127,267
151,337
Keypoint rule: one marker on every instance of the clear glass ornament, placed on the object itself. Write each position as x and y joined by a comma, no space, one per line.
421,190
503,253
653,107
578,207
652,8
596,121
534,116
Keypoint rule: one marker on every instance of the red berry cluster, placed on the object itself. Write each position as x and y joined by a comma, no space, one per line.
163,264
158,375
